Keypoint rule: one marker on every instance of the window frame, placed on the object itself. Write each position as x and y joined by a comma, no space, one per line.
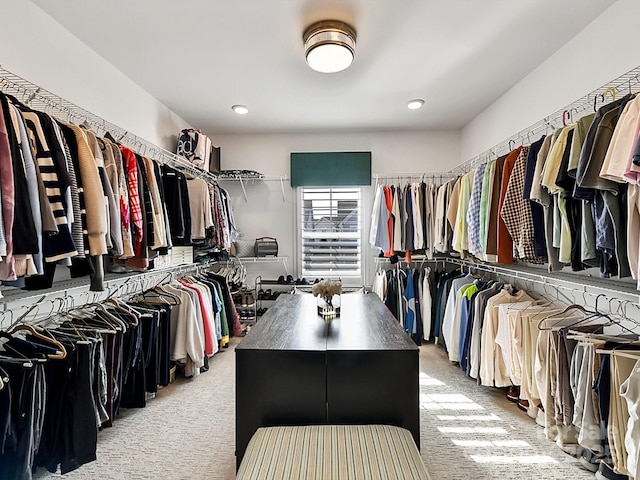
356,278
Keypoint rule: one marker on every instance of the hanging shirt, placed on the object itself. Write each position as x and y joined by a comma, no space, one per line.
504,240
517,215
417,217
397,235
473,213
410,299
486,192
460,237
440,220
618,157
493,371
491,251
375,214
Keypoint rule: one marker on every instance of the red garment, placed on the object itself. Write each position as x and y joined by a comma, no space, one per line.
208,323
388,197
131,166
505,243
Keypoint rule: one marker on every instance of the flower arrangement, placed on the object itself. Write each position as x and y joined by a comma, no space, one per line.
327,288
325,291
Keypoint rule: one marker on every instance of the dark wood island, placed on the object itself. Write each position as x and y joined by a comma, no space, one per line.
293,368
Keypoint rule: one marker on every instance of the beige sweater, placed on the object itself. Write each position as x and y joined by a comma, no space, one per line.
94,198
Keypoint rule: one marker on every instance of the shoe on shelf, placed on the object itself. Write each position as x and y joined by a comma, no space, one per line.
281,280
250,300
261,294
289,280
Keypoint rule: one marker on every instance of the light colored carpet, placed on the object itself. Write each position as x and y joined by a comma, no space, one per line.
188,431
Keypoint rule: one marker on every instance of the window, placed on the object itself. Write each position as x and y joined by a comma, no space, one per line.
331,230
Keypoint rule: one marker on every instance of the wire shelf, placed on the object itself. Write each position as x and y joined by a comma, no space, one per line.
616,88
40,99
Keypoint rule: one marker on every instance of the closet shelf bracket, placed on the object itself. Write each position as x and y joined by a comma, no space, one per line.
244,190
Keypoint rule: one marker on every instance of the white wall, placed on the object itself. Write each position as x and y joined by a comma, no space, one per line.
37,48
605,49
265,213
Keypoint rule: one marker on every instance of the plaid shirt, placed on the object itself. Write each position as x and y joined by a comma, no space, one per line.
516,213
473,214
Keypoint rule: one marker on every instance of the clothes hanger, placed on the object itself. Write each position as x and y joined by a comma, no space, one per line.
171,295
124,308
4,378
27,363
632,354
62,352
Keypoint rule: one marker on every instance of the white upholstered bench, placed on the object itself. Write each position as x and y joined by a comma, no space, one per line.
332,452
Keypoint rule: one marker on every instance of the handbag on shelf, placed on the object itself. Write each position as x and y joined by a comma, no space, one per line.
244,248
266,247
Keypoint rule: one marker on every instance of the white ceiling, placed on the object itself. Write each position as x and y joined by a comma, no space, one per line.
200,57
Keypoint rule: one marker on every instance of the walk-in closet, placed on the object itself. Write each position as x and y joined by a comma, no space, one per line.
314,240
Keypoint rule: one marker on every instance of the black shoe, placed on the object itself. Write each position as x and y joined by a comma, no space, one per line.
281,280
290,279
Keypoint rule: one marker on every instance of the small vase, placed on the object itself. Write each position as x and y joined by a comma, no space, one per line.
329,307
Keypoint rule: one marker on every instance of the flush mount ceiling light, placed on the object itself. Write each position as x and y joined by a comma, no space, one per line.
329,46
415,104
240,109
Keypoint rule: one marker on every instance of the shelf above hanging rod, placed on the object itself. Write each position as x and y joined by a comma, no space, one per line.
590,285
617,87
244,179
39,98
68,294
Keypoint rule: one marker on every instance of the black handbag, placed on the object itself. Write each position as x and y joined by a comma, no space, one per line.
266,246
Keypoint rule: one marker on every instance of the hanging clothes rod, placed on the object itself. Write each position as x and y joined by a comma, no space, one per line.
616,88
120,287
39,98
551,281
430,175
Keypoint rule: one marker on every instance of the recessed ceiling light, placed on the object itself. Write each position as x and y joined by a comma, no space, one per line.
329,46
415,104
240,109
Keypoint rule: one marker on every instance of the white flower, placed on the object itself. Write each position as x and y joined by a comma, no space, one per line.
327,288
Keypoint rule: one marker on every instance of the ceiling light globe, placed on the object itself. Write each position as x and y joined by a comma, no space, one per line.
329,58
329,46
240,109
415,104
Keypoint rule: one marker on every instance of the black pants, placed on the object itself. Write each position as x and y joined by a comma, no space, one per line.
27,398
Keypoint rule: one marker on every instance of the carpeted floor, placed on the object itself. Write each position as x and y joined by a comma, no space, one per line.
187,432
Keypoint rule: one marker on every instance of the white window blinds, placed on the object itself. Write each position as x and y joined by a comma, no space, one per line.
331,227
